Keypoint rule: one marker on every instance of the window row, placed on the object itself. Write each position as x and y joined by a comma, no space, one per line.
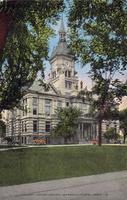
48,105
67,74
36,126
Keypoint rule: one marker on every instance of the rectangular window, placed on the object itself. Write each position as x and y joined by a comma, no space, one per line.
80,126
69,85
25,110
47,126
24,101
35,100
24,107
47,110
35,126
69,73
65,73
67,104
48,107
59,104
22,127
34,111
25,127
47,101
66,84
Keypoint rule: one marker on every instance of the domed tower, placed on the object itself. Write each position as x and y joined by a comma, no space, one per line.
63,75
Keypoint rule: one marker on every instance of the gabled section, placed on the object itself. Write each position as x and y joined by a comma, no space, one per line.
39,88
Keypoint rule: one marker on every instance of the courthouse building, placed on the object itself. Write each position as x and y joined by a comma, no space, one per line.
40,103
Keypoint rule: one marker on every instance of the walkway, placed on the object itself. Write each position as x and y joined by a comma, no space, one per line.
52,146
109,186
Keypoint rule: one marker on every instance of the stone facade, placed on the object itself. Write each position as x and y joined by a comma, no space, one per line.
123,105
39,104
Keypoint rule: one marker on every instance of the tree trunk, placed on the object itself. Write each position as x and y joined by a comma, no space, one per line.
124,138
100,131
5,21
65,140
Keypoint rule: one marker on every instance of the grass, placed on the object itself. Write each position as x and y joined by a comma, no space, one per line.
39,164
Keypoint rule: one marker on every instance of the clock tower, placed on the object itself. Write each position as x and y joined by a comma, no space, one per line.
63,74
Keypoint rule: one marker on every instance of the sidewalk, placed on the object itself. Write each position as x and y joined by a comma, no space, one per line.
109,186
51,146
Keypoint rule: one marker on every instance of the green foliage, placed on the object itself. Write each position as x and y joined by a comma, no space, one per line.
98,37
85,95
2,129
67,122
26,47
111,134
123,122
41,164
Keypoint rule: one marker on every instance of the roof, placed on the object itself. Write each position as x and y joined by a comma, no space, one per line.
61,49
39,88
62,46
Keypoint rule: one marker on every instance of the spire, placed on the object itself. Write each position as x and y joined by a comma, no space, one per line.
62,32
62,47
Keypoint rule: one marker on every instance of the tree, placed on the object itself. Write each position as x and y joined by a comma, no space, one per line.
85,95
26,45
123,122
98,37
111,134
67,122
2,129
4,25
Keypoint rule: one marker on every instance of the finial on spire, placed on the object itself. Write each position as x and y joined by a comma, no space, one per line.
62,32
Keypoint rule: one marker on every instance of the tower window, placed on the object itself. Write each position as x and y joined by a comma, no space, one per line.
68,84
67,73
53,74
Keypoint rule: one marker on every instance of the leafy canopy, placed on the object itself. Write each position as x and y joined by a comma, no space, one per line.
26,46
2,129
111,134
98,35
123,120
67,122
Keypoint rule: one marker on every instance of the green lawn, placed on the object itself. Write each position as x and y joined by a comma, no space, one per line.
39,164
